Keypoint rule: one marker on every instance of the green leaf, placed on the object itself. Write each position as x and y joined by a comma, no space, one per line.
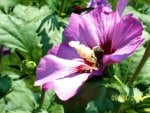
146,36
64,7
32,2
5,85
91,108
145,1
19,30
29,13
117,84
128,67
21,98
103,101
144,76
131,111
40,111
125,93
56,108
51,30
17,34
143,17
54,5
143,106
113,3
11,74
7,5
19,111
2,105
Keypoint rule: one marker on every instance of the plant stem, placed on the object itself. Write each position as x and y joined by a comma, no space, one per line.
42,99
141,64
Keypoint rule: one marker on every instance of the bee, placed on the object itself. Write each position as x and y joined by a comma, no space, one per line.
98,54
93,55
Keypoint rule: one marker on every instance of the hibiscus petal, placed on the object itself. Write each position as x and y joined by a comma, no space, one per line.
126,30
101,20
64,51
81,29
93,28
121,6
51,68
72,30
67,87
124,52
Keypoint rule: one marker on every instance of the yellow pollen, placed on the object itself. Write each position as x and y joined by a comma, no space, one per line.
84,51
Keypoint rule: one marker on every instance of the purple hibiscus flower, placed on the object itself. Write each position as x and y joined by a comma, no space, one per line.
93,41
95,3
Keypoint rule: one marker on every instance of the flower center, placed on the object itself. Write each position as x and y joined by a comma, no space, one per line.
93,56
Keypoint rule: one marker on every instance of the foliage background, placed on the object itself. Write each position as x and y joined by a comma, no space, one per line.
29,28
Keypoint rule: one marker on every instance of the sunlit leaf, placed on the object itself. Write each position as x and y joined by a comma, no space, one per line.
146,36
19,111
17,34
91,108
51,31
21,98
10,74
7,5
29,13
2,105
56,108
